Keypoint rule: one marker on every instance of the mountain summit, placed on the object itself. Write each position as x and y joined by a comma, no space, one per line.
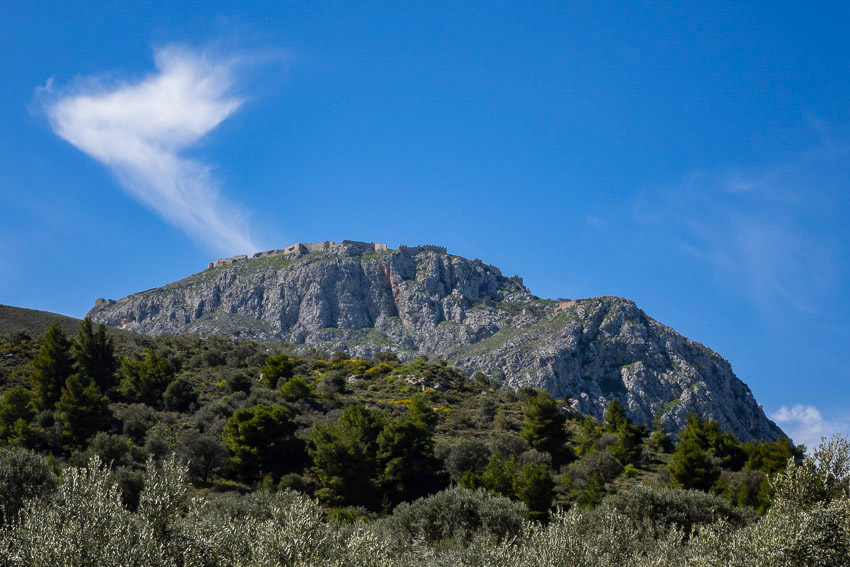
419,300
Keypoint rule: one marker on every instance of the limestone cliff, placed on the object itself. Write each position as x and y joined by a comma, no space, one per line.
423,301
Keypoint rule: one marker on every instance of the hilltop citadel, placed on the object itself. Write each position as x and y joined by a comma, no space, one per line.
299,249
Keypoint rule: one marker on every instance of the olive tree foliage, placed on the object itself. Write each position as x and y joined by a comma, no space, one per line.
453,517
23,475
85,523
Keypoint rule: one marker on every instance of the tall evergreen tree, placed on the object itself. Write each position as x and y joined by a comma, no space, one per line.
535,487
16,404
345,458
543,426
409,469
94,353
262,441
146,380
659,440
629,446
692,467
615,416
51,368
82,410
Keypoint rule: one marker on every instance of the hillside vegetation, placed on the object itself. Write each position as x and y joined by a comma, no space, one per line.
183,450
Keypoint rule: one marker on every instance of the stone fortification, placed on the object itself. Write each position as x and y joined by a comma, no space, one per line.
323,246
224,261
366,246
422,248
299,249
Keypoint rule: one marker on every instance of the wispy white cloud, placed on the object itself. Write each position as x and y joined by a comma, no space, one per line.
805,424
139,130
766,233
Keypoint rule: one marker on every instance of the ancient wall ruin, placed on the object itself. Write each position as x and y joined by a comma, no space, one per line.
299,249
422,248
224,261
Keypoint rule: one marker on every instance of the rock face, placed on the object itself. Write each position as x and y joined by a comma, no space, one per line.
416,302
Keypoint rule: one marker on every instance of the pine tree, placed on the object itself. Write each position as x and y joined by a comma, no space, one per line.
94,354
82,410
535,487
615,416
499,476
409,469
543,426
659,440
16,405
277,368
629,446
51,368
345,458
145,380
262,441
692,467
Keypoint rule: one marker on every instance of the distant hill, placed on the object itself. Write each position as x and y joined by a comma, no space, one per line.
35,323
364,298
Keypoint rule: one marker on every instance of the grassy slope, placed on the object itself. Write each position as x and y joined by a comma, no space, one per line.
34,323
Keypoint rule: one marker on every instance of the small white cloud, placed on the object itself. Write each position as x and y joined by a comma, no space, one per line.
47,88
139,131
805,424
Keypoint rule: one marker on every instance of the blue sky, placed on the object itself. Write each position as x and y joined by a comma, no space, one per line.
692,158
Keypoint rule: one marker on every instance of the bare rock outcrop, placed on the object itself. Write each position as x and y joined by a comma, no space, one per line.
422,300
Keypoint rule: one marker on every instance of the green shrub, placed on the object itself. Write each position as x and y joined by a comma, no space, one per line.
466,455
277,368
239,382
292,481
668,507
296,389
204,454
113,450
453,517
601,464
180,395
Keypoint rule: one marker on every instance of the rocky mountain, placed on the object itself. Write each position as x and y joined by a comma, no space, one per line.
364,298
